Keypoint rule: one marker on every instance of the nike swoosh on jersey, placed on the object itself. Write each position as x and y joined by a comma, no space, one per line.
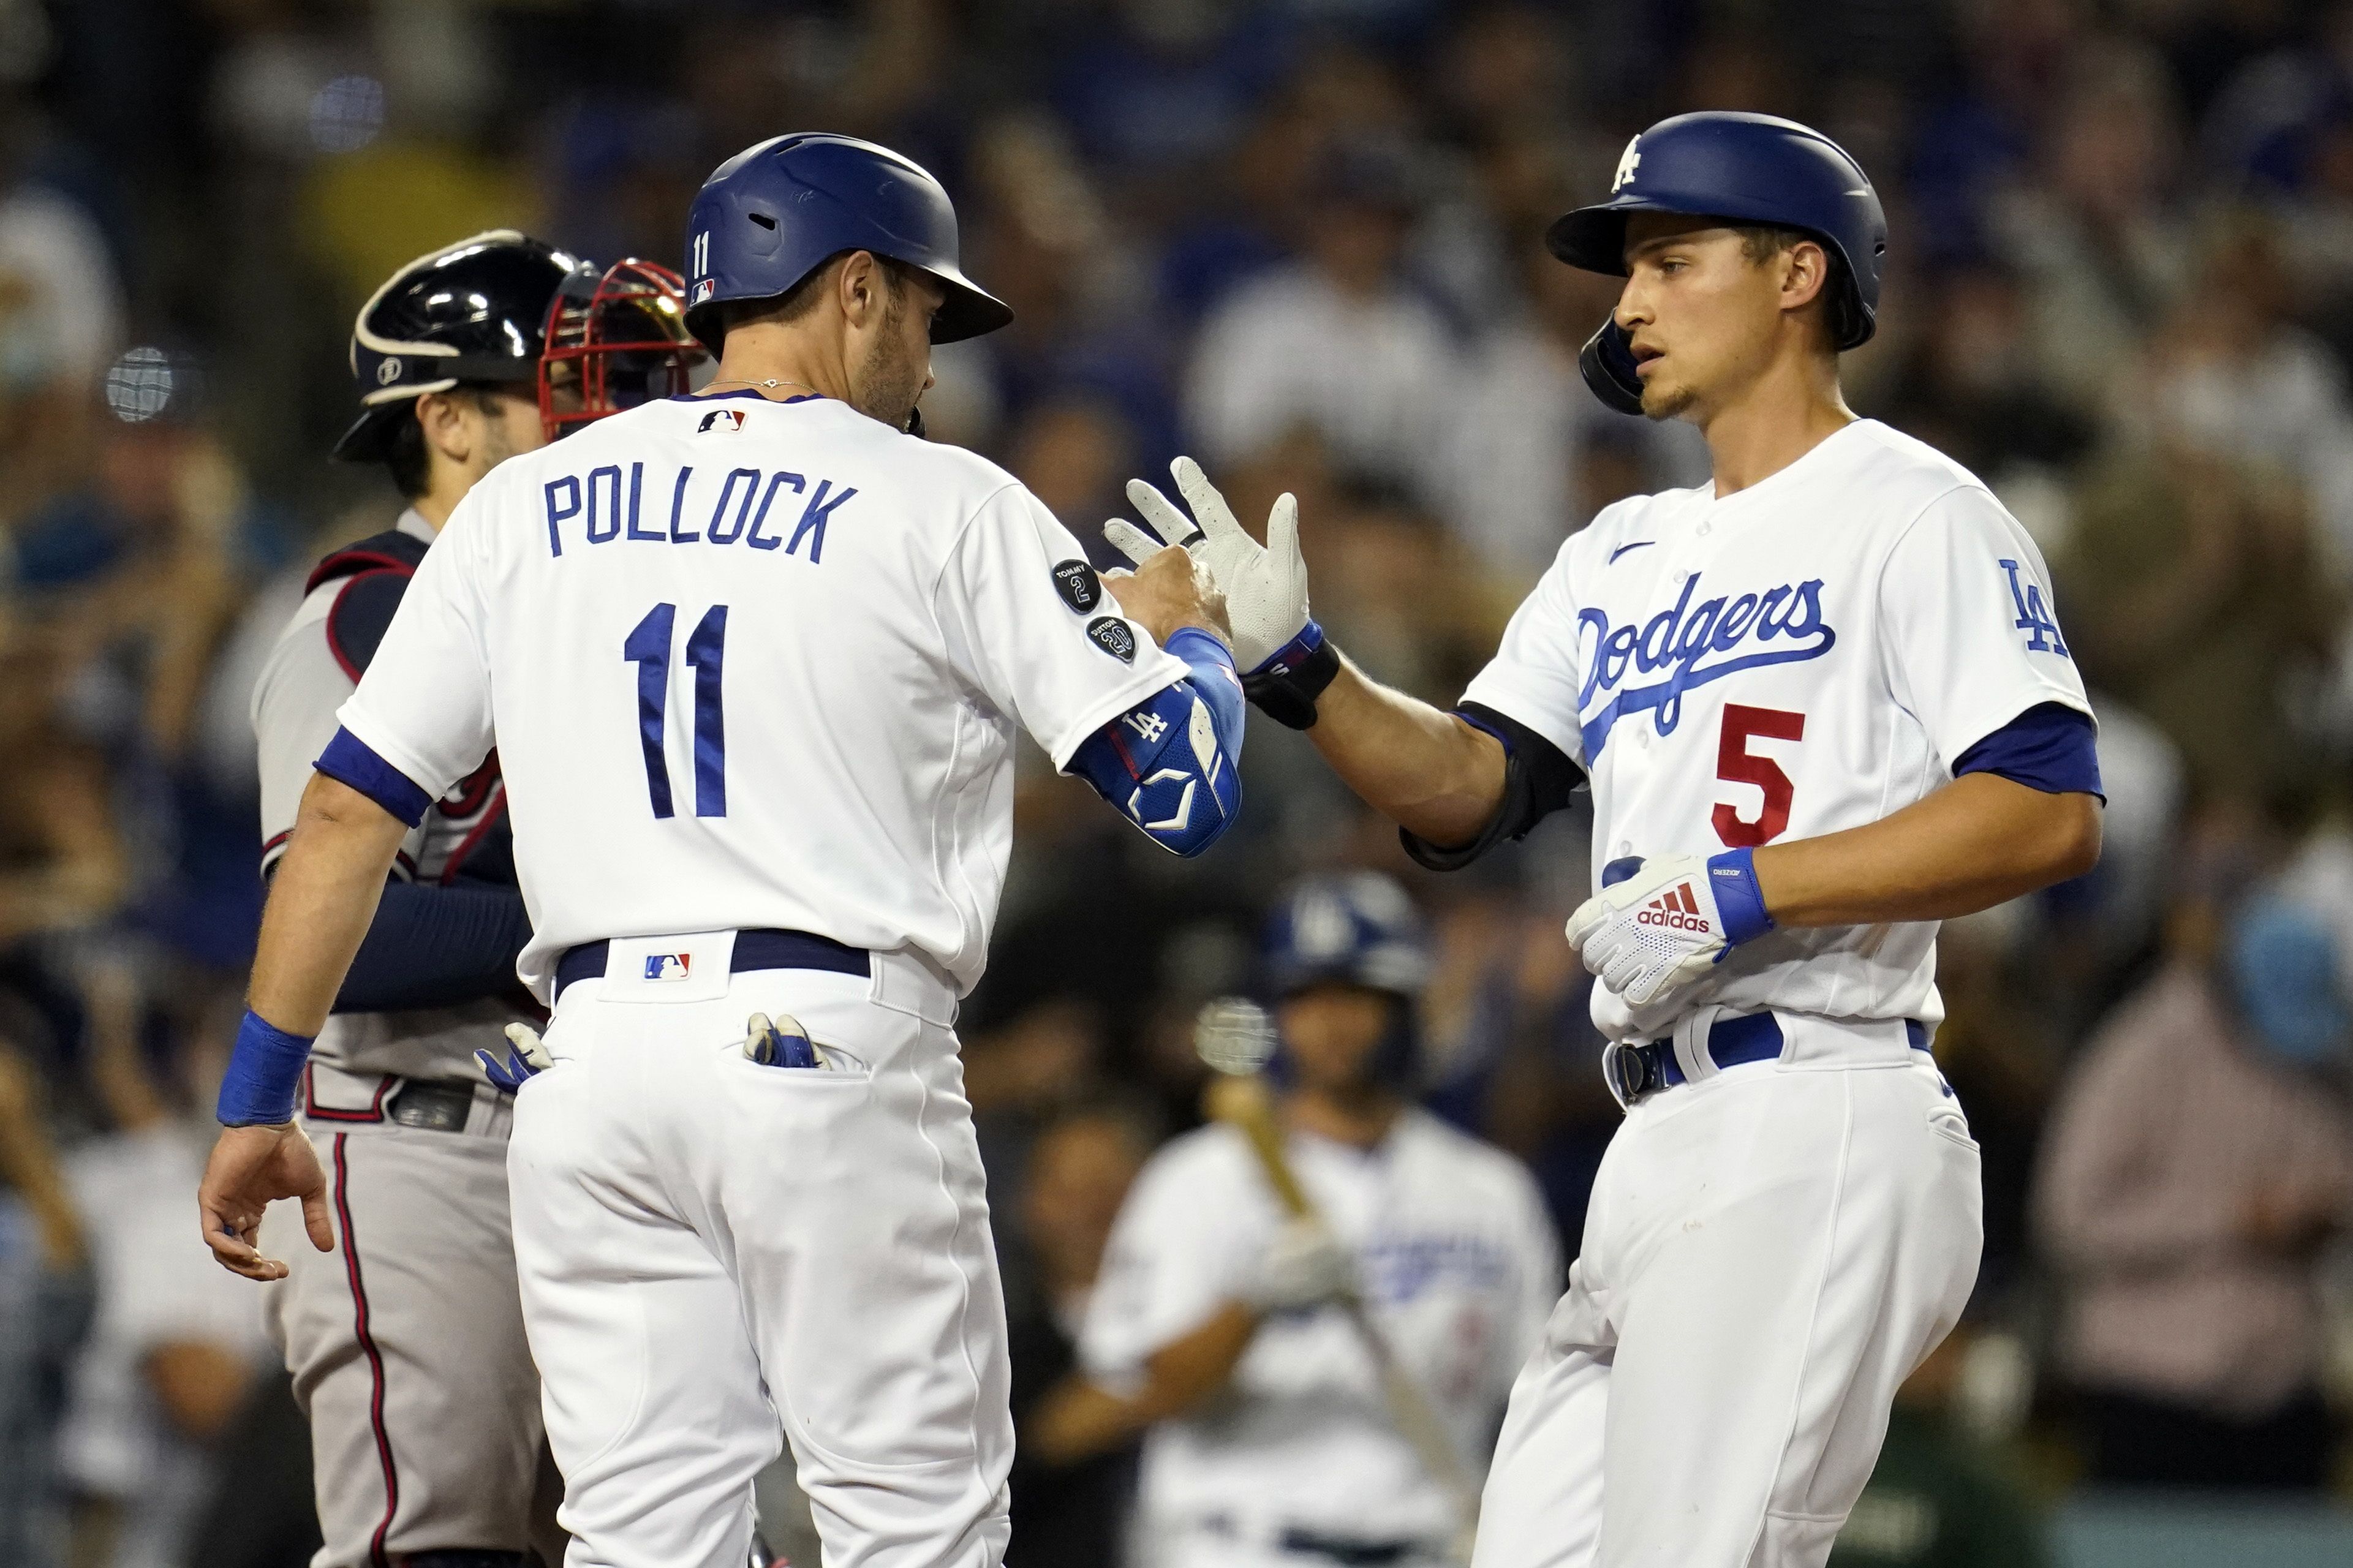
1623,548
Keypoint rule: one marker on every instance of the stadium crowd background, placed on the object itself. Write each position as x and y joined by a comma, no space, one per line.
1299,239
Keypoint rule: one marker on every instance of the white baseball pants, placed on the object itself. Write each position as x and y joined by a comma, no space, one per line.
1768,1253
715,1253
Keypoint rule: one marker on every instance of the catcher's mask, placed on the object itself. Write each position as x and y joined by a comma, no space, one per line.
615,340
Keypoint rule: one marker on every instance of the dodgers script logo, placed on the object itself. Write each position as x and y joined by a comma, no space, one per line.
1694,644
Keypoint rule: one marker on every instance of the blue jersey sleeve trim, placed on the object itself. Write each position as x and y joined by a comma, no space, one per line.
265,1066
347,760
435,947
2049,747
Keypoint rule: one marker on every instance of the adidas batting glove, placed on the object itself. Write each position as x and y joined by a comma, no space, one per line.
1265,586
1659,926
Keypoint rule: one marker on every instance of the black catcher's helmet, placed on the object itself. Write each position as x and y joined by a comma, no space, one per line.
471,311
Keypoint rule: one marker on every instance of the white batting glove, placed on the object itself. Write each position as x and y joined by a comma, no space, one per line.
1303,1266
1265,584
528,1058
1667,924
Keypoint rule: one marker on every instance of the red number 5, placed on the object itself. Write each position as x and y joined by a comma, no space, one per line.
1735,763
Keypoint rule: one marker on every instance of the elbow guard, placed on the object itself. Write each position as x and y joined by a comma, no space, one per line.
1167,766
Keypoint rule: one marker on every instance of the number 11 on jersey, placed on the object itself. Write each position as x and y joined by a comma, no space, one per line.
647,646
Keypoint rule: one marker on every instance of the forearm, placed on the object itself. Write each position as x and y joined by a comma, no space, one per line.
1428,771
1979,841
322,903
1081,1418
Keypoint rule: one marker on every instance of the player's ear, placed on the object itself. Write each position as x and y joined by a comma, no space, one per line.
861,286
447,431
1806,272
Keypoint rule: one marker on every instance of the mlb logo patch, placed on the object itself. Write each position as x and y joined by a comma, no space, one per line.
703,290
726,421
668,965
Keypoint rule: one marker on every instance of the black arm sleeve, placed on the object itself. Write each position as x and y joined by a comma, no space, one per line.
432,946
1537,781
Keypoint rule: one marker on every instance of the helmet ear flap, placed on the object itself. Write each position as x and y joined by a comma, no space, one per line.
1607,363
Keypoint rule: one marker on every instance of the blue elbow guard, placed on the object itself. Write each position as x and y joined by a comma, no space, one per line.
1168,763
264,1067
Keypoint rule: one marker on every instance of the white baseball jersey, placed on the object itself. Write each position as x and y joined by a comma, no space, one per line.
1458,1263
752,664
1810,654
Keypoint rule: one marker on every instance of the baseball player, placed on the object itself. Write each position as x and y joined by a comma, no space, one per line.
1823,703
407,1344
754,661
1216,1314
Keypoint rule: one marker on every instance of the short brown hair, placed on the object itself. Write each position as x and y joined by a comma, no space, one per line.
1763,241
800,299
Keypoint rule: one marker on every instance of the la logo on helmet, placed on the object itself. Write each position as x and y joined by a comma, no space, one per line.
1629,160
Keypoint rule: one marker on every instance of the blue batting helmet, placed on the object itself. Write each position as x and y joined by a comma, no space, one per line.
774,213
1357,926
1748,169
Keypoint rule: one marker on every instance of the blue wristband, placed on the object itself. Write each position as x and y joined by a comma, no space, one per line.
1732,878
264,1068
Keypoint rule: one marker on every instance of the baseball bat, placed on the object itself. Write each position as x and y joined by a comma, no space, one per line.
1234,1037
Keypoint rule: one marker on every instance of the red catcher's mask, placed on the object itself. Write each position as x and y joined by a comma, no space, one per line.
613,342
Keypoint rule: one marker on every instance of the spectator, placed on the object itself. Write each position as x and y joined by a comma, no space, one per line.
1337,342
1068,1515
177,1341
2232,375
2195,1163
2192,592
44,1307
2099,245
1934,1500
1534,454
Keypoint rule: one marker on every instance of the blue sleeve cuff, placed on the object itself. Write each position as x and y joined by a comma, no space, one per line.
1732,878
2049,747
347,760
264,1069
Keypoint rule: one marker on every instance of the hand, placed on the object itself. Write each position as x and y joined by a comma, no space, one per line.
1657,932
1265,586
1167,591
249,1167
1303,1266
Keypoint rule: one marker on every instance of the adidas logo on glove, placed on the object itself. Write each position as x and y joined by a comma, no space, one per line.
1676,909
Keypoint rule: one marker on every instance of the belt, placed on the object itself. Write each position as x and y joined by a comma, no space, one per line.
1347,1549
439,1105
753,950
1635,1070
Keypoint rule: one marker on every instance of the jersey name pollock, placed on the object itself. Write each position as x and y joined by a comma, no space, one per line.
1807,655
752,664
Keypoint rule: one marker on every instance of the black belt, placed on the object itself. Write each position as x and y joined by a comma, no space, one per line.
1347,1549
753,950
1635,1070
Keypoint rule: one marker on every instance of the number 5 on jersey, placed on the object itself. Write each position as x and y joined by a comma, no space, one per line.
1735,763
648,647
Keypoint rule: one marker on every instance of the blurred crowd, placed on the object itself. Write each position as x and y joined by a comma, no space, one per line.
1299,239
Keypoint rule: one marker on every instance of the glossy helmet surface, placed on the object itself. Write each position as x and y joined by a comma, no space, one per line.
472,311
776,212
